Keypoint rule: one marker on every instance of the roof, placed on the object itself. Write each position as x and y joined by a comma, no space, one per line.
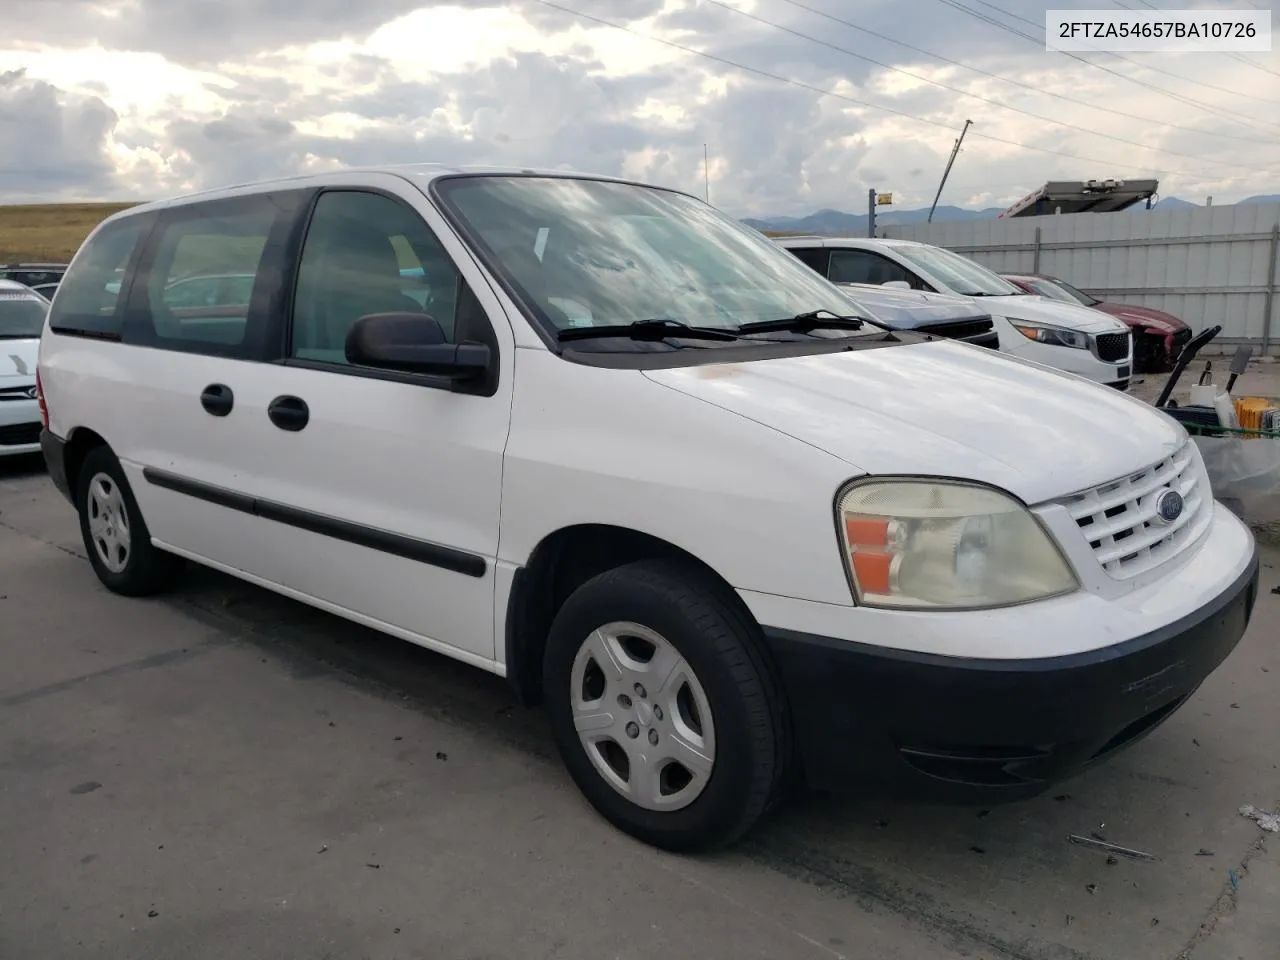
423,174
1082,196
838,241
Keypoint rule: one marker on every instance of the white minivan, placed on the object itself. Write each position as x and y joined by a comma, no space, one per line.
601,439
1078,339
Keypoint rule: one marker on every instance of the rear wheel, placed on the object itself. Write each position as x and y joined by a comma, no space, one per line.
664,711
115,535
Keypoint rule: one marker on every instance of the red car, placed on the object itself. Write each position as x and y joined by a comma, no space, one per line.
1158,337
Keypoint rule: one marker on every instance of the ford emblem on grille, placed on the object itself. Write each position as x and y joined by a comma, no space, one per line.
1169,505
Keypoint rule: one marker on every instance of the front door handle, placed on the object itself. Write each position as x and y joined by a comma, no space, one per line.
288,413
217,399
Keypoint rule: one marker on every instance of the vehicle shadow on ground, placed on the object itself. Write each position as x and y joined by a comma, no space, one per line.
1004,880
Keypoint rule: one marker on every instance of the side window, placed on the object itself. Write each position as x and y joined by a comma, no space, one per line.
864,266
366,253
814,257
204,265
89,293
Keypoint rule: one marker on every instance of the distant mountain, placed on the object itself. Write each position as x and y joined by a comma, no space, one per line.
834,222
837,222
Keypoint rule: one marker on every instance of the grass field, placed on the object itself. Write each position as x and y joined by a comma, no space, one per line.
49,231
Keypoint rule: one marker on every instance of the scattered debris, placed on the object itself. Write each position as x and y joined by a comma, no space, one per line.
1235,706
332,724
1195,741
882,823
1097,843
983,813
323,848
1062,796
153,913
1202,852
87,787
1069,919
396,930
1275,590
1267,821
374,866
441,755
977,849
1155,921
397,738
1092,888
1235,880
1112,860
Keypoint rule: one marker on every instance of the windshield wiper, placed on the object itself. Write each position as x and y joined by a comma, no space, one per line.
654,329
813,320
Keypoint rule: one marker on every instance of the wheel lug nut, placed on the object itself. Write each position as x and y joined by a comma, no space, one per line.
624,701
640,691
657,712
633,730
653,737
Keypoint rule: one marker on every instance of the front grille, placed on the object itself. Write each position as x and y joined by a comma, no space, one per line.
1120,522
19,434
17,393
979,332
1112,347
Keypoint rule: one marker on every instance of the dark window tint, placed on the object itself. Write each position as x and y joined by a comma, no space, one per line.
815,257
863,266
32,278
89,293
204,264
366,253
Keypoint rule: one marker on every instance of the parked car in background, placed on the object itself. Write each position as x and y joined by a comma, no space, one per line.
1158,337
1067,336
33,274
642,463
46,290
22,316
933,314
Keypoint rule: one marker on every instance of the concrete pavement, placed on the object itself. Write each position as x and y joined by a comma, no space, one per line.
223,772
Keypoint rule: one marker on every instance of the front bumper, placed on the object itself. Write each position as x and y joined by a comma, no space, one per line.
961,730
19,427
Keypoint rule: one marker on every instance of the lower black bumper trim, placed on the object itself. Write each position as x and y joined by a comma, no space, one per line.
54,449
963,730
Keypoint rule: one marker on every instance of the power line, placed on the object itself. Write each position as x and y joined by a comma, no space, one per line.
1018,83
840,96
1181,98
975,96
1239,58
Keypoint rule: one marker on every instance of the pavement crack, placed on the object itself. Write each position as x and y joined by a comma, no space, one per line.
1226,902
38,539
132,666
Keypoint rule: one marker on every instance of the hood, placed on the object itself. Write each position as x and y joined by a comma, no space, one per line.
1038,309
944,409
18,360
911,309
1135,316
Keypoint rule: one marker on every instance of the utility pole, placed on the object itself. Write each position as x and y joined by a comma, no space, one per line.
871,212
706,175
945,173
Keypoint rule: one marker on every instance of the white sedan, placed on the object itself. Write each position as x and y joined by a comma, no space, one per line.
22,313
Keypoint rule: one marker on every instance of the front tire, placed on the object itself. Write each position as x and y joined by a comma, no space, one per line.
664,710
115,536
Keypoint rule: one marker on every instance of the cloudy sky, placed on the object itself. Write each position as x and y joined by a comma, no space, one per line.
803,104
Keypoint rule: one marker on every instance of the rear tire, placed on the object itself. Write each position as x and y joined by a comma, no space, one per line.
115,536
663,707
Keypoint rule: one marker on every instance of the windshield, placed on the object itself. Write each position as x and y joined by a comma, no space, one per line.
1072,294
21,316
958,274
584,253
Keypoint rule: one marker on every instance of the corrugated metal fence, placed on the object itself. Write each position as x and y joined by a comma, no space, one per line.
1206,265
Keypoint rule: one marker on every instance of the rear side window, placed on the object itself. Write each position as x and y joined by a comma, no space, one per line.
88,297
204,264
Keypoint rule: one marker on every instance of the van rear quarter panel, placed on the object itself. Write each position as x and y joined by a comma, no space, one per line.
606,446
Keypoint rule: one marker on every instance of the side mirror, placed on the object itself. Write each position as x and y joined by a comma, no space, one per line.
413,343
897,284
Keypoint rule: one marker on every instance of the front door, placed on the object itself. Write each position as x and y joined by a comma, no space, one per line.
382,490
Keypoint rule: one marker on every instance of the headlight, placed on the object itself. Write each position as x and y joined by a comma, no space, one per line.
941,543
1054,336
